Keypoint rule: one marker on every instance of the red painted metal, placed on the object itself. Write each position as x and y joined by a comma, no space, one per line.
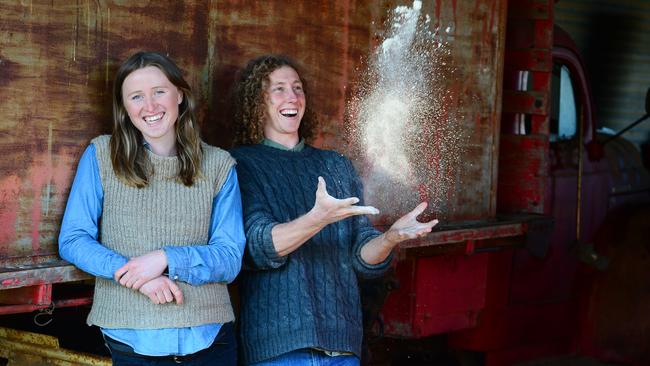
534,310
26,288
529,9
23,275
451,235
515,101
472,278
436,295
543,306
443,286
35,295
530,59
523,159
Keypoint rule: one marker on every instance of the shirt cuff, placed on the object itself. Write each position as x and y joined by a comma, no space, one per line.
176,269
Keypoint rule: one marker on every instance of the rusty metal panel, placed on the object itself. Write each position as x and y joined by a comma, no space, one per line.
462,235
328,38
335,49
529,59
523,167
57,62
530,9
459,182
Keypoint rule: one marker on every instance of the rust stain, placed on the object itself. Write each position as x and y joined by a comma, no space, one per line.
108,30
49,163
44,177
10,282
9,193
56,67
57,63
40,175
345,62
454,18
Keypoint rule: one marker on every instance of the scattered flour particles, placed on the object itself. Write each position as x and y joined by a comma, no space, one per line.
402,120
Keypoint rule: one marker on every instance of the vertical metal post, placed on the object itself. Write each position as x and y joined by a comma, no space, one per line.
580,163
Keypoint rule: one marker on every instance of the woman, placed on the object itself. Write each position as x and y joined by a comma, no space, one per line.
154,209
306,239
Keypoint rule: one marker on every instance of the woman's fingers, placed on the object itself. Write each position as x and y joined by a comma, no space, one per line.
176,292
168,295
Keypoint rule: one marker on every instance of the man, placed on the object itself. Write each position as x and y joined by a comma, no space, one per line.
307,240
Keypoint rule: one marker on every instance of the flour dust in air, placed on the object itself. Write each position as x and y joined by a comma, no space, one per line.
402,125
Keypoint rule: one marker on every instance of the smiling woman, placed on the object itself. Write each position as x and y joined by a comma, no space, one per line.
146,85
177,240
151,101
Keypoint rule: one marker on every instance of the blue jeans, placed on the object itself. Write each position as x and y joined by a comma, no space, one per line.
309,357
223,351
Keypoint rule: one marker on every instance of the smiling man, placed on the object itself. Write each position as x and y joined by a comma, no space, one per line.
307,239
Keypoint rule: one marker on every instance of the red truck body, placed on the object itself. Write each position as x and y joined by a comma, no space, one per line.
540,251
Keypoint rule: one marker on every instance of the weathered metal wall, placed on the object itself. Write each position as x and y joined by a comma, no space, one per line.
328,38
456,169
335,40
57,61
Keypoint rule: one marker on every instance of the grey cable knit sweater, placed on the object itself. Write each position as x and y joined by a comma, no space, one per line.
309,298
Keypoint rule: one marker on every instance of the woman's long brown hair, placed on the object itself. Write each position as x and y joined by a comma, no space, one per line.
128,155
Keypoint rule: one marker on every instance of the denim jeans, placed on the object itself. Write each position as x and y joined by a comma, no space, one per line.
223,351
309,357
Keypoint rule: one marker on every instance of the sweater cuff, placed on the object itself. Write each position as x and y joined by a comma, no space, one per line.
368,271
271,256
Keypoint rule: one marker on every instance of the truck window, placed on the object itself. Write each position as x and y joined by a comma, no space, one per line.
563,106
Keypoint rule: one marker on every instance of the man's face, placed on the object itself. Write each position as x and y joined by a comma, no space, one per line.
285,105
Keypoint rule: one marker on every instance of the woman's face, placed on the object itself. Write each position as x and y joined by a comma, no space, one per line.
151,101
285,105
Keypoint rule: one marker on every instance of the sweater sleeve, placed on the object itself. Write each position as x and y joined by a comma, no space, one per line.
260,253
363,232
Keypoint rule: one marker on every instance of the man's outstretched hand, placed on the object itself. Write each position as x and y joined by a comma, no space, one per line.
328,209
408,227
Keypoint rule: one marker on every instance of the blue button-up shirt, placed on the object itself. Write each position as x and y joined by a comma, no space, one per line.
219,261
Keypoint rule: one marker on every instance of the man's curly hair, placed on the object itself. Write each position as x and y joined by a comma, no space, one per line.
250,94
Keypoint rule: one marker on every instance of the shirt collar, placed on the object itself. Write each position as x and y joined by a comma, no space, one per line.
299,146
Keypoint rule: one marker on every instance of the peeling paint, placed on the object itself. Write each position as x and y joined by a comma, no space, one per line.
9,193
57,63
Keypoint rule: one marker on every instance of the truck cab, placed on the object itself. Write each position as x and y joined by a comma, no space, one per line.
549,276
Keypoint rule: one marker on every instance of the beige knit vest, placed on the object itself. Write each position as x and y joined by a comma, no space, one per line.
165,213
